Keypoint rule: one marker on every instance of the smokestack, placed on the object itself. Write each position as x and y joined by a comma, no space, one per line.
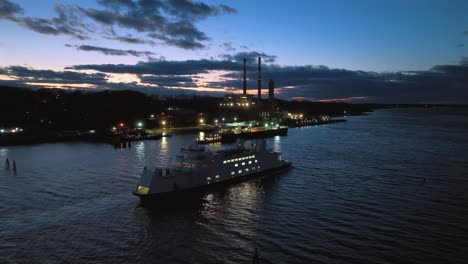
259,79
244,81
271,90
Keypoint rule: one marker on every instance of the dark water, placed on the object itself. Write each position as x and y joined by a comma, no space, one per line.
391,187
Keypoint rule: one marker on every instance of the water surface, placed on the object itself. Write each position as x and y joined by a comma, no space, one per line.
390,187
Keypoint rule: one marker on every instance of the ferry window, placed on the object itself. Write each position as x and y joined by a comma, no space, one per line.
224,162
243,163
208,178
235,165
246,169
258,167
256,161
240,171
232,173
250,162
217,176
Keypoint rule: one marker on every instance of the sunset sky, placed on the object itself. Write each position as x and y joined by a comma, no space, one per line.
354,51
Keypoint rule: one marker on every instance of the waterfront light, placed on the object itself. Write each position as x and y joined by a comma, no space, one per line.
202,120
163,122
216,121
235,118
140,124
266,125
2,130
121,125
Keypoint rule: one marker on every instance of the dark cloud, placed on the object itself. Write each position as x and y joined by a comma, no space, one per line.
25,74
182,34
460,45
9,10
440,84
131,40
117,4
227,46
169,81
67,22
163,67
250,56
113,52
195,10
466,32
170,22
464,61
244,47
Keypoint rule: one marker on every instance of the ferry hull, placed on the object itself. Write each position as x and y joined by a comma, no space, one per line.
180,196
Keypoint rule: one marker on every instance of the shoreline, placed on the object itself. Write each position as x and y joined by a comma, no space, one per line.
28,139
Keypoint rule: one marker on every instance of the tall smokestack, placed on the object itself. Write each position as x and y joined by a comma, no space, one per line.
244,81
259,79
271,90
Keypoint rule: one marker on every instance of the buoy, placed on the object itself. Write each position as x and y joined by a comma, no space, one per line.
129,144
7,164
14,165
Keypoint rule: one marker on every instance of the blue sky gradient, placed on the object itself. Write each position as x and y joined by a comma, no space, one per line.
375,39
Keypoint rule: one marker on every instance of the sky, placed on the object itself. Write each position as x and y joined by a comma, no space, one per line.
316,50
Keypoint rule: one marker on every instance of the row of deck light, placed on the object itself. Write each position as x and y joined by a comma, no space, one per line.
14,130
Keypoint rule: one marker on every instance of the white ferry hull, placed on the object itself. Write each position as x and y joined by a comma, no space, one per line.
180,195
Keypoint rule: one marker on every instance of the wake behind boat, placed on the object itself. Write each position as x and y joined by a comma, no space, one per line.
197,169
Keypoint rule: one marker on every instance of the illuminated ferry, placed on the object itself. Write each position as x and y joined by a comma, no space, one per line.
196,169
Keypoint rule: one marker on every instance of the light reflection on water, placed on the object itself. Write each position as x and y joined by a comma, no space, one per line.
377,189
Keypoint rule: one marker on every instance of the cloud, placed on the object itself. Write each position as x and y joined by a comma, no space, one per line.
163,67
182,34
67,22
439,84
250,56
195,10
465,33
227,46
24,75
170,22
112,52
169,81
460,45
8,9
130,39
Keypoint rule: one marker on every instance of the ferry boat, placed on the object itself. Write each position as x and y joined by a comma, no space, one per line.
196,169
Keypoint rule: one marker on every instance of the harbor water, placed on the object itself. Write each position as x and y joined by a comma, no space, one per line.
389,187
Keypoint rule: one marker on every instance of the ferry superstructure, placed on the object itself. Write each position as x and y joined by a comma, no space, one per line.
196,168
